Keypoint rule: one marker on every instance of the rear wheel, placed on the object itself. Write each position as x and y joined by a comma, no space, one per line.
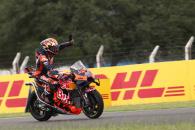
38,109
96,105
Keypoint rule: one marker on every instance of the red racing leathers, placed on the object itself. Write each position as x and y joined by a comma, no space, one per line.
44,66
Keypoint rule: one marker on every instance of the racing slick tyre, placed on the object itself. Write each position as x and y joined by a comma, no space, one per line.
38,109
96,107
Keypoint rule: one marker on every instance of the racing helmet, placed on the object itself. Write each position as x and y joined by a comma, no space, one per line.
50,45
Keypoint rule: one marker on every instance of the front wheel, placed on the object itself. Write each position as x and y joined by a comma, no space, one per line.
37,109
96,105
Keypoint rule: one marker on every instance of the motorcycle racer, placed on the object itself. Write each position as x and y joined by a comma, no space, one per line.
44,64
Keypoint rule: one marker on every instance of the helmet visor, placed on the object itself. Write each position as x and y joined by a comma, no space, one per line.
53,49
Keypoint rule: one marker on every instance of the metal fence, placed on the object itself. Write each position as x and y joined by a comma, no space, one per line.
17,62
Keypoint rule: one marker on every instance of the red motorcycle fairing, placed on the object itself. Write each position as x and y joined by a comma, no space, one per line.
62,100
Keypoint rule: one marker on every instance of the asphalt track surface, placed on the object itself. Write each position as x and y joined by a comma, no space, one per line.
168,116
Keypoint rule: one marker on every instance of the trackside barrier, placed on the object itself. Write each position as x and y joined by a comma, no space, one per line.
123,85
14,93
150,83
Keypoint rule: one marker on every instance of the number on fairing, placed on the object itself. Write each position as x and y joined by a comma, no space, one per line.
61,95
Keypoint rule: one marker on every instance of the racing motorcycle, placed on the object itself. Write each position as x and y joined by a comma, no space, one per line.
76,93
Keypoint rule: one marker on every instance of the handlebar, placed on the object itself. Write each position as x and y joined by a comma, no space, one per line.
97,83
31,76
28,84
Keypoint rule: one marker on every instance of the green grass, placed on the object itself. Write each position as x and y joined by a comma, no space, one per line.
172,105
14,115
109,126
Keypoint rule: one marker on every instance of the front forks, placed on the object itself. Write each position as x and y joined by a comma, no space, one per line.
84,98
86,103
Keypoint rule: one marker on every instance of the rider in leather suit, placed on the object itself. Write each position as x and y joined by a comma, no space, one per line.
44,63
